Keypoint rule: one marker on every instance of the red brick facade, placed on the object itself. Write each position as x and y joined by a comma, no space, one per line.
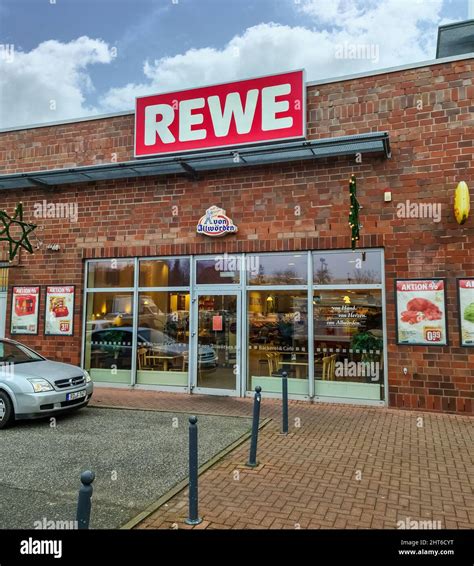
429,114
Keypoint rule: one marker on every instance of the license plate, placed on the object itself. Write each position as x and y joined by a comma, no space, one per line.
76,395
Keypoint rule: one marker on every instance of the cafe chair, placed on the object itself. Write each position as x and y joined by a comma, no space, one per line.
329,367
142,357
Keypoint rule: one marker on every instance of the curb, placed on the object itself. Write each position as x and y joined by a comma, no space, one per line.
169,411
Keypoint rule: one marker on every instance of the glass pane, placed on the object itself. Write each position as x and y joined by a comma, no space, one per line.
164,272
111,273
220,270
108,340
277,269
347,268
348,344
278,340
217,341
163,338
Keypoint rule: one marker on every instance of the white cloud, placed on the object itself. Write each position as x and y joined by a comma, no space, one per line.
394,31
48,83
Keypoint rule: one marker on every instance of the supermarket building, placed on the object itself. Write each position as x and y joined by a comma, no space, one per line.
213,265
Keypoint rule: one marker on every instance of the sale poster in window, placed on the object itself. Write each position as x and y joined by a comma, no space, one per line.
59,313
25,310
421,312
466,311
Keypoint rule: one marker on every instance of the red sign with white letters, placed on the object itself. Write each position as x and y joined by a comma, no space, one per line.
246,112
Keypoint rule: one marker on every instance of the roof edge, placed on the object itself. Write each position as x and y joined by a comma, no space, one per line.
387,70
342,78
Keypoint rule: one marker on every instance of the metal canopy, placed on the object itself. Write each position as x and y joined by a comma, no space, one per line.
191,164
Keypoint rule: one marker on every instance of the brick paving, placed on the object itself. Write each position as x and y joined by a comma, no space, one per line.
342,467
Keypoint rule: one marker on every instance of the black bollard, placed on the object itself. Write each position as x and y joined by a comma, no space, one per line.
193,518
284,397
83,514
252,463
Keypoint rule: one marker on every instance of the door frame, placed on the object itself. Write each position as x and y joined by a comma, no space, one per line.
3,313
193,365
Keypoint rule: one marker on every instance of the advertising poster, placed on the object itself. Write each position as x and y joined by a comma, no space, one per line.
217,323
25,310
59,315
466,311
421,312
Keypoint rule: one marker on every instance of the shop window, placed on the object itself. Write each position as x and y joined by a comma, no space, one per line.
110,273
163,338
348,344
347,268
172,272
278,340
277,269
109,334
221,270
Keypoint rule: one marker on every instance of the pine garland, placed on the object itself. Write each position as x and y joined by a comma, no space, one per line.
354,212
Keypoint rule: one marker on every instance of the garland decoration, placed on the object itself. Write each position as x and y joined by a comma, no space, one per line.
354,213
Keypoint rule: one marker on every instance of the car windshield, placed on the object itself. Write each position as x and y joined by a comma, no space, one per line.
11,353
152,336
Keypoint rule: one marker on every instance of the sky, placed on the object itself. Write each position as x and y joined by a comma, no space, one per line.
66,59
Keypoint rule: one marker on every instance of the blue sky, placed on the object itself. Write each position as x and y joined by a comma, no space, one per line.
74,58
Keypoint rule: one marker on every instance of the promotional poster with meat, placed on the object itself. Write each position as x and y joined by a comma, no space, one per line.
466,311
421,312
59,311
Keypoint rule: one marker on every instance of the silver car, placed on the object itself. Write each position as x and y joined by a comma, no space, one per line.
32,386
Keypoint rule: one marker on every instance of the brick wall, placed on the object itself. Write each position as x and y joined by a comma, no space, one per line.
432,150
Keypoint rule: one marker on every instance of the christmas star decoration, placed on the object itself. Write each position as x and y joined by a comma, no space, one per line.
14,231
354,212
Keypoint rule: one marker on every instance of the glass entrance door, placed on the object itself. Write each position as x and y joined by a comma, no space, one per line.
216,341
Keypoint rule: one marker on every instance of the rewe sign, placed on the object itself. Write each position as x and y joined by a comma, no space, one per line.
238,113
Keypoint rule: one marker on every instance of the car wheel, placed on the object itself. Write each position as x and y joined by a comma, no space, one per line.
6,410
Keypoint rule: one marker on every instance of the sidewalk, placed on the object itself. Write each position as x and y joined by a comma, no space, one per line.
340,467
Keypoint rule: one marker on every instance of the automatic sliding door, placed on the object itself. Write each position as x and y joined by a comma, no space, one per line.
218,344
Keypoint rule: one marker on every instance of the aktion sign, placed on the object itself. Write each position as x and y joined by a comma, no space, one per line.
59,315
237,113
466,311
421,312
25,310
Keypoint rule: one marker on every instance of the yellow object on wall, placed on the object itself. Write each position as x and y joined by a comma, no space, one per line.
462,204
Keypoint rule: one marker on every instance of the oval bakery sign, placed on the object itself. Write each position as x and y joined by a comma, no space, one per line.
215,223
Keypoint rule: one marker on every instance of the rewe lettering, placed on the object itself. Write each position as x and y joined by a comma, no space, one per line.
159,117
